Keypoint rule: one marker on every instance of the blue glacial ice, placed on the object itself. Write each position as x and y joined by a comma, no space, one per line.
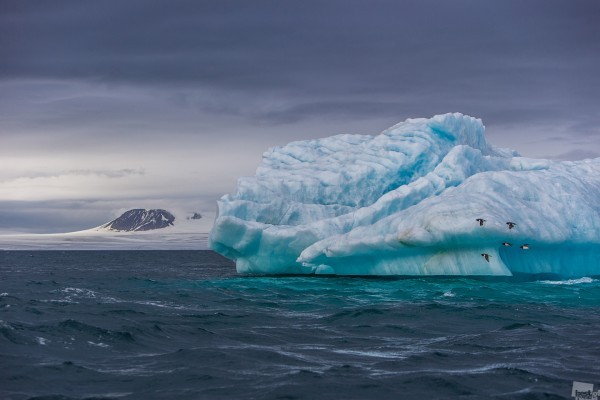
405,202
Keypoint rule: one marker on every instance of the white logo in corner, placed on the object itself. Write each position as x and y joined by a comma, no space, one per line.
584,391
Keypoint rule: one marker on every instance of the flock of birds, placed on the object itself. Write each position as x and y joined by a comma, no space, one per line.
511,225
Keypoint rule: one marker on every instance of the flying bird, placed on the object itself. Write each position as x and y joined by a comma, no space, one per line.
511,225
506,244
486,256
481,221
525,247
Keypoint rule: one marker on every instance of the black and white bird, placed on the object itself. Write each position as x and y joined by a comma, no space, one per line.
525,247
506,244
486,256
511,225
481,221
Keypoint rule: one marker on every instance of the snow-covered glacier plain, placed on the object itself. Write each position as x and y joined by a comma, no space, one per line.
424,197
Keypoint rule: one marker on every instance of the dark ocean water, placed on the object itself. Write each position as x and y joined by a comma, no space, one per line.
183,325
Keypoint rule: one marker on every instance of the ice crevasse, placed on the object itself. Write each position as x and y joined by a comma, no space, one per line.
407,202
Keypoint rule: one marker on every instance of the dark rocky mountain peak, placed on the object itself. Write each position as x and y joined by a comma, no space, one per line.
140,219
196,216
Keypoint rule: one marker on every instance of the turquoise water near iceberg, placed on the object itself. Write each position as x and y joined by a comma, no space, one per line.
183,324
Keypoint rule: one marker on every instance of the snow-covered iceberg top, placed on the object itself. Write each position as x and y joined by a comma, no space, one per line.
424,197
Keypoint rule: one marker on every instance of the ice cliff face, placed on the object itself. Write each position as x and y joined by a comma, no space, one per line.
406,202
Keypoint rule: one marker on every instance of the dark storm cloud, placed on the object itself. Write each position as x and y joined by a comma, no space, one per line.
509,63
311,48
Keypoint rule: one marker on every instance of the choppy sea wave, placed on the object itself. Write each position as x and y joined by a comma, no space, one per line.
182,324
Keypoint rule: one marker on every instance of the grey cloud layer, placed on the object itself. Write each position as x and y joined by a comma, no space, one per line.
105,173
349,47
387,57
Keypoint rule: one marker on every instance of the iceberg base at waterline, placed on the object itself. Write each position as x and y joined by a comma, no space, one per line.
425,197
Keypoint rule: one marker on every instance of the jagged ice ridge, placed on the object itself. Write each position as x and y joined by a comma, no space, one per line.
405,202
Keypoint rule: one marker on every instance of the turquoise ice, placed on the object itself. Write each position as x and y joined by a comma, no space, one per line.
406,202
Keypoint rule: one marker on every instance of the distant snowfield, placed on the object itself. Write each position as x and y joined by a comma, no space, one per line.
184,235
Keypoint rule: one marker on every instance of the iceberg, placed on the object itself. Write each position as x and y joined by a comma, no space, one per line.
424,197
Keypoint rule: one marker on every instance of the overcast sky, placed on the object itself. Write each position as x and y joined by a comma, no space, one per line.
109,105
